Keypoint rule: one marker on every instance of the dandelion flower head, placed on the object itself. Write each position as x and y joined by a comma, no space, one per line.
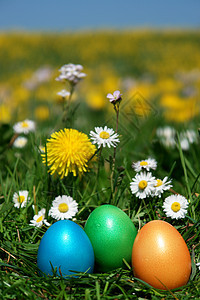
63,207
175,206
104,137
68,151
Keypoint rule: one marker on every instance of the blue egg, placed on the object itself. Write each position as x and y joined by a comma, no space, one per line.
65,246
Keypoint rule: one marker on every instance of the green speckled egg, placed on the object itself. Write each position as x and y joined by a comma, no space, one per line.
112,234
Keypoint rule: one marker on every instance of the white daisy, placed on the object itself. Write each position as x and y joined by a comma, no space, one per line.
63,93
175,206
39,219
20,199
63,207
147,164
162,185
20,142
143,185
25,127
104,137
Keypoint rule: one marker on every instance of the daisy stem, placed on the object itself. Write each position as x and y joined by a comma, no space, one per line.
66,108
99,162
34,201
116,107
98,169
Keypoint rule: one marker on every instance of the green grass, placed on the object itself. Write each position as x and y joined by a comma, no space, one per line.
23,170
19,241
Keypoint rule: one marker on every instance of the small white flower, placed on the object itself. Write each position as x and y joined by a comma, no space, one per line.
115,97
70,68
185,145
162,185
39,219
166,136
104,137
63,93
71,73
187,137
81,75
20,199
20,142
147,164
63,207
143,185
25,127
175,206
191,135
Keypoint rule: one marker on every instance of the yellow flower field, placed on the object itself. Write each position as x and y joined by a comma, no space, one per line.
162,66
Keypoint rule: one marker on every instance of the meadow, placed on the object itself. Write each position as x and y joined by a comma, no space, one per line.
157,116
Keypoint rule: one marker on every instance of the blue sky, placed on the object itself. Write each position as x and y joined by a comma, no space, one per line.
64,15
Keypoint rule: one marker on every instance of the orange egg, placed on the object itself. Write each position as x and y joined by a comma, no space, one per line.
160,256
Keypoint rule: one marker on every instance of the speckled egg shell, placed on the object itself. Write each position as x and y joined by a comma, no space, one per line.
66,246
112,234
160,256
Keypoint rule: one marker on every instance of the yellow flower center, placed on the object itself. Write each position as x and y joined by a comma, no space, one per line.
39,219
104,135
143,163
24,124
21,199
142,184
159,182
176,206
63,207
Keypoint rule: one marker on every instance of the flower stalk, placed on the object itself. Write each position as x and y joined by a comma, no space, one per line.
115,99
70,74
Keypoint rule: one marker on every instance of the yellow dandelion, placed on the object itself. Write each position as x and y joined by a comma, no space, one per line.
68,151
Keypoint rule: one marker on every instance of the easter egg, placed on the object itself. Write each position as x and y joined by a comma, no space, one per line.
112,234
160,256
65,246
